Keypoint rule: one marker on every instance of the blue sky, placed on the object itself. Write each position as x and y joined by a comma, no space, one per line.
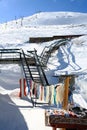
9,9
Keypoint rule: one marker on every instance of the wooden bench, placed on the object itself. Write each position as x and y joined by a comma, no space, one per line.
72,123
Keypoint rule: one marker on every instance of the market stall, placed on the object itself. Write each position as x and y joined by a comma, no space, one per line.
64,117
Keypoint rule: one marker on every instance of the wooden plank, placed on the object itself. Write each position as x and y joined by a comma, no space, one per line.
66,85
63,122
45,39
16,61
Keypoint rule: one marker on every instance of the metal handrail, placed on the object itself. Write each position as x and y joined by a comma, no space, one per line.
40,69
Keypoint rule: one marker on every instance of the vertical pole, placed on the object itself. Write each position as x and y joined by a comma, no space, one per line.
20,87
41,98
24,80
21,83
66,87
34,87
65,103
21,93
30,88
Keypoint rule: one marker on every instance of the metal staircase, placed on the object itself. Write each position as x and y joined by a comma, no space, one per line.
46,53
33,72
33,65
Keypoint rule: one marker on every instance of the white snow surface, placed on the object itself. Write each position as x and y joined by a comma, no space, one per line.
16,113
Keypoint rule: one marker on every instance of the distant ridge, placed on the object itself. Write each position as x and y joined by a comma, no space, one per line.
53,18
57,18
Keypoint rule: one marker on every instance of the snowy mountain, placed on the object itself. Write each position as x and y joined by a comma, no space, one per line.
57,18
16,34
42,24
53,18
68,59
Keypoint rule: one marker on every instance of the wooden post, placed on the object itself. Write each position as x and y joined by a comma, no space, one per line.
21,93
41,98
34,87
30,87
65,103
24,82
21,84
66,87
54,128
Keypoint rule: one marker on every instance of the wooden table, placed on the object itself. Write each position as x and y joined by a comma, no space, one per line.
56,121
62,122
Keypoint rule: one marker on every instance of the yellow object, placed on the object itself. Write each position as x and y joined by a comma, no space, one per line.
66,85
65,101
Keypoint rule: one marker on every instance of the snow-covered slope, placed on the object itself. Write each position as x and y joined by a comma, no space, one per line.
71,58
53,18
15,33
57,18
